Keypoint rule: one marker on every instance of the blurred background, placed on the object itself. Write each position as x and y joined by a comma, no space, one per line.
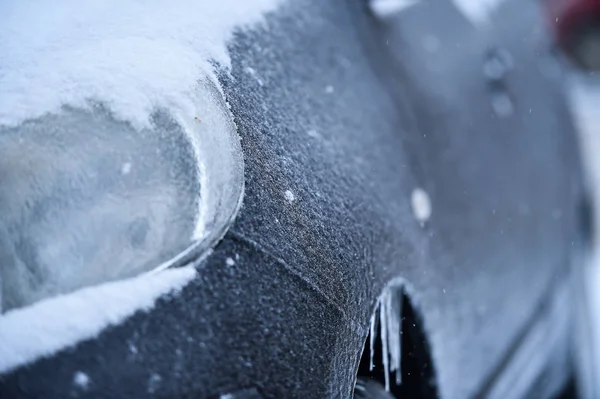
575,26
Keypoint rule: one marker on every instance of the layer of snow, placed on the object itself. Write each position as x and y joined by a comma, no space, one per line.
134,56
60,322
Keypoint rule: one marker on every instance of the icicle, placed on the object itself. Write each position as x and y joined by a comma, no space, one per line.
383,319
373,335
389,307
394,324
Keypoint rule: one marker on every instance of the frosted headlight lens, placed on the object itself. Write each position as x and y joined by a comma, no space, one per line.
86,199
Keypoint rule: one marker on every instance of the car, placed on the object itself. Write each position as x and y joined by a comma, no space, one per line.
576,26
285,199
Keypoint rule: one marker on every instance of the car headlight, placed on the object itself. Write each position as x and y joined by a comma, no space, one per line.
86,198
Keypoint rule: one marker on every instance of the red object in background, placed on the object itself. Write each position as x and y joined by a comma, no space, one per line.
568,14
576,25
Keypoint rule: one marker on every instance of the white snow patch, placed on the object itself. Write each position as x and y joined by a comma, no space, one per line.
387,8
81,380
132,56
421,205
289,196
229,262
60,322
477,11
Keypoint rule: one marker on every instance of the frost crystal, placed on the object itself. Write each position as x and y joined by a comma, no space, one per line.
289,196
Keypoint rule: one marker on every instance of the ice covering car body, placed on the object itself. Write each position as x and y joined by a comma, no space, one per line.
411,154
